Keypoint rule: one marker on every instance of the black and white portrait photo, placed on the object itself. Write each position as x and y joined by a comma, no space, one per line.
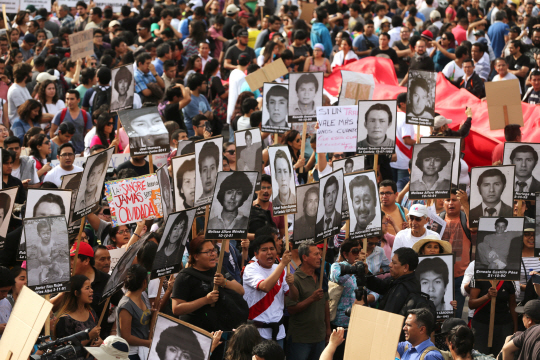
431,172
47,246
492,192
168,259
147,134
72,182
456,154
123,88
184,181
185,147
376,131
167,202
7,200
177,340
248,150
435,273
435,222
119,273
498,250
364,206
231,206
208,155
305,95
306,216
92,182
421,97
283,182
330,202
275,108
349,164
525,157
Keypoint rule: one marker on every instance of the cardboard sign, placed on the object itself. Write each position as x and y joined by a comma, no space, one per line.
11,6
375,333
267,73
337,128
354,87
504,103
24,325
134,199
307,11
81,44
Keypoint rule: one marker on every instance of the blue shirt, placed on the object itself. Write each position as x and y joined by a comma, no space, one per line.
361,44
158,65
184,27
245,87
199,104
320,34
414,353
19,128
142,80
496,34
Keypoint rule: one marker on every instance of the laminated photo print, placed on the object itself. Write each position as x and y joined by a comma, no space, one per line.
306,216
525,158
431,172
364,205
421,98
349,165
48,262
492,192
305,95
435,273
537,232
330,206
146,131
7,201
231,206
123,88
283,183
184,181
72,182
249,151
167,203
456,158
208,162
498,249
275,108
376,131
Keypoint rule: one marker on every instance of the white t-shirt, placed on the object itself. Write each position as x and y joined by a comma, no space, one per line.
55,175
404,238
403,131
236,79
508,76
452,71
267,307
243,123
54,108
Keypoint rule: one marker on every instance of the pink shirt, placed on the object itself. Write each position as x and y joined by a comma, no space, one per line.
460,34
219,45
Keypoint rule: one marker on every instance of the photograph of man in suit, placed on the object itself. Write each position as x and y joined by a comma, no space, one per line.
378,119
364,201
431,160
303,227
525,158
331,217
491,184
501,249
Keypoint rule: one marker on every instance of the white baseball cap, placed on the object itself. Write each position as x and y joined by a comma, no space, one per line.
440,121
418,210
113,348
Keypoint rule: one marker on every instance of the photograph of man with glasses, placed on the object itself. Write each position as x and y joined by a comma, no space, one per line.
364,209
418,218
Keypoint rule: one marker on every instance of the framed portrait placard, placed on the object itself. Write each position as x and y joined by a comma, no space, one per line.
435,275
306,216
431,172
283,184
7,200
208,155
305,95
525,158
364,204
330,206
421,98
123,88
275,108
376,130
146,131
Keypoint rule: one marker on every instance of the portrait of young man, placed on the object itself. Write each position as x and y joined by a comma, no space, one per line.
490,185
525,158
377,128
275,107
304,225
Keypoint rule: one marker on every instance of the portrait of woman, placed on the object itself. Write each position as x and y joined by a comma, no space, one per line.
185,183
175,341
122,94
168,253
282,173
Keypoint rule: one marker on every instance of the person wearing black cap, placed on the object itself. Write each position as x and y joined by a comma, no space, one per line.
241,46
527,342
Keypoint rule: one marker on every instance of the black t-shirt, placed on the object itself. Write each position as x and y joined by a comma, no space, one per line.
391,53
227,27
100,280
529,343
216,88
172,113
233,52
139,43
422,63
299,51
21,193
502,308
516,64
140,170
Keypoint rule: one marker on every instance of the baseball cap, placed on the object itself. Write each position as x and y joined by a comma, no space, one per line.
134,10
38,17
232,9
479,32
30,38
84,249
434,14
428,35
44,76
242,32
418,210
441,121
529,226
451,323
515,29
243,14
114,23
531,309
112,348
244,59
31,9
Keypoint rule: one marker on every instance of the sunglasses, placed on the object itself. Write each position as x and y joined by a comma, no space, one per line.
110,124
46,142
231,152
339,156
355,251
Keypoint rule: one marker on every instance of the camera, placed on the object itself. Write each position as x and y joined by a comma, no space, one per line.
67,348
358,270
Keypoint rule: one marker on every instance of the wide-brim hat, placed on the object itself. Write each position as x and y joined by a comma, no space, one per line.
446,246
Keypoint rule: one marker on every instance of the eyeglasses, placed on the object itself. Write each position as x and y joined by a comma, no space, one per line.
46,142
110,124
84,237
231,152
387,193
374,243
298,140
443,38
415,218
355,251
213,251
68,155
98,37
122,232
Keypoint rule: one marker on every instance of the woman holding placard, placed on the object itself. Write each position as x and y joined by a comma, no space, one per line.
293,139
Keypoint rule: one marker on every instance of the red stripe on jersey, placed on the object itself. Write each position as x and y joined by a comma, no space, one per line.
407,152
260,306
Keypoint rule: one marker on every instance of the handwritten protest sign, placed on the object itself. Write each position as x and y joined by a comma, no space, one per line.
337,128
81,44
37,3
134,199
12,6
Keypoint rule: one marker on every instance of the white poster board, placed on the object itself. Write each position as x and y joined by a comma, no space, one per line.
337,128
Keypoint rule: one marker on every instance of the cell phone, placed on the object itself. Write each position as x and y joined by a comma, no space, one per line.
536,279
208,127
226,335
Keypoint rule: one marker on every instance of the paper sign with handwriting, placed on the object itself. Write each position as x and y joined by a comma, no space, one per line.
134,199
82,44
337,128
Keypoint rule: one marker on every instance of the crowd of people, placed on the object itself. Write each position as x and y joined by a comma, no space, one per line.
190,60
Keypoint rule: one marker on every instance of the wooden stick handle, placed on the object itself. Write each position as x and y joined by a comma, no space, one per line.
375,163
83,221
194,229
150,164
347,228
155,314
322,263
286,228
9,355
48,322
206,215
303,149
417,134
492,316
105,309
365,245
276,138
224,244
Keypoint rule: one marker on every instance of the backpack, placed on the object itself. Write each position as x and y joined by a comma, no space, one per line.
259,218
64,112
101,97
425,352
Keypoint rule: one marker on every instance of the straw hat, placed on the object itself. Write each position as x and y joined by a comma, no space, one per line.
445,245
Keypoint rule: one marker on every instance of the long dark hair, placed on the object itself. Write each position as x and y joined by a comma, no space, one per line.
182,217
136,275
36,141
290,136
268,51
238,106
30,134
198,31
190,65
102,121
71,298
26,109
210,67
242,342
42,92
